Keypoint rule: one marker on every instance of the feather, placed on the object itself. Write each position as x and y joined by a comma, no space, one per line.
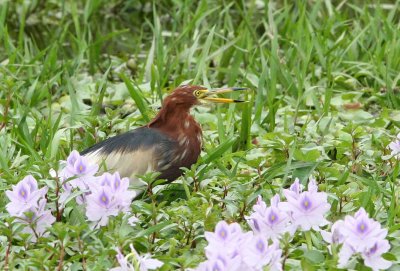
170,141
135,153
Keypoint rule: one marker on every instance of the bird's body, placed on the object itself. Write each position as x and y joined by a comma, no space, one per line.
170,141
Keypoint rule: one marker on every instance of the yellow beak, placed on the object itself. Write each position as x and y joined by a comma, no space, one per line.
207,93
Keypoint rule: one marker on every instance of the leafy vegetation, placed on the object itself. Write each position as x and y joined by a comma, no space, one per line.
324,101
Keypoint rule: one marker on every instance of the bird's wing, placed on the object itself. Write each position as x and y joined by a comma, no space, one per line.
134,153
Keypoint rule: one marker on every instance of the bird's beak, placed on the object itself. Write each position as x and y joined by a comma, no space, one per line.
207,93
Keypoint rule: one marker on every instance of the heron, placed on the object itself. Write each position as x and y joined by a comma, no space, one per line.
170,141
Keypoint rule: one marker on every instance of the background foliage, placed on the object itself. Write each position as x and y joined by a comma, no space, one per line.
324,100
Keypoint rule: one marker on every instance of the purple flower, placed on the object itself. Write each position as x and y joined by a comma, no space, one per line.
119,187
101,204
373,256
109,196
395,147
295,189
38,220
335,236
221,262
77,173
144,263
359,234
362,231
306,209
66,191
27,204
133,220
25,195
224,233
275,263
79,170
257,254
227,237
78,165
123,262
230,248
270,222
345,253
147,263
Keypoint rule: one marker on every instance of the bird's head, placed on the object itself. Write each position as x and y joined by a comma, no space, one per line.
175,108
187,96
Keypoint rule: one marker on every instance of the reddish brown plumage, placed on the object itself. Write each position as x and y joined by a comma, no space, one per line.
170,141
174,120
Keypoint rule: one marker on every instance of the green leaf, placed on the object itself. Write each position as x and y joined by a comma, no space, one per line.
314,256
137,97
156,228
219,151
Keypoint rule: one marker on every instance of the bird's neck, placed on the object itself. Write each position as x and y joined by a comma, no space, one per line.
177,124
181,127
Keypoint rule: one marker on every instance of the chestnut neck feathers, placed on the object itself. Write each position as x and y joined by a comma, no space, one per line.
174,118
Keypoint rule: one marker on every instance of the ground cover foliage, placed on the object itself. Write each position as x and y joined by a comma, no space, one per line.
324,101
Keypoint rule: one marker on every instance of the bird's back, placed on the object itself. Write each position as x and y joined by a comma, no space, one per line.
137,152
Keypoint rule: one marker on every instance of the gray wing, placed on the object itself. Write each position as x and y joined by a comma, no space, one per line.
134,153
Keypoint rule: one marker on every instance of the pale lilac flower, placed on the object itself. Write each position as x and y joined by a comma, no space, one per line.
395,147
362,231
109,196
230,248
270,222
147,263
360,234
106,196
306,209
345,254
66,191
275,263
123,262
78,165
71,159
101,204
373,256
144,263
25,195
221,262
227,237
257,254
224,233
119,187
133,220
38,220
295,189
335,236
27,204
79,171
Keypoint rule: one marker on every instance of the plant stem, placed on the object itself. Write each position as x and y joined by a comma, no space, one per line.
61,259
6,267
5,113
81,249
58,211
307,235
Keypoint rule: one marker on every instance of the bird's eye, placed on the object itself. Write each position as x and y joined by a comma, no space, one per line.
196,93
